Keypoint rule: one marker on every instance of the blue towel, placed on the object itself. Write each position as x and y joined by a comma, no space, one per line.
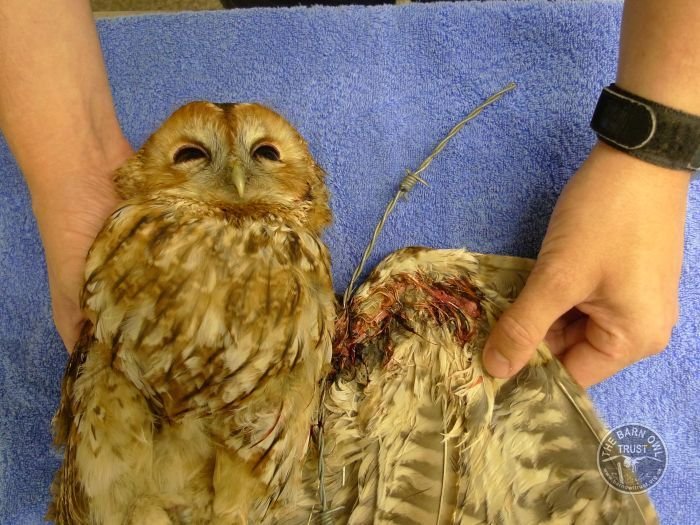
373,90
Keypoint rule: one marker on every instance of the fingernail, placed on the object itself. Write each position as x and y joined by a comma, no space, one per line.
499,366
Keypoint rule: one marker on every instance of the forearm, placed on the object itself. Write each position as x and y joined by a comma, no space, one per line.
660,52
56,109
659,60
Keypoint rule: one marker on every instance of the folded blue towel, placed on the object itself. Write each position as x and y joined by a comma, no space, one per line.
373,90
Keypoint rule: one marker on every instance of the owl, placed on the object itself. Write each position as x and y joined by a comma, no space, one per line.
190,395
413,430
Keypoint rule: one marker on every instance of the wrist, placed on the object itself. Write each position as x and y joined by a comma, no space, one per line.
85,168
613,161
647,130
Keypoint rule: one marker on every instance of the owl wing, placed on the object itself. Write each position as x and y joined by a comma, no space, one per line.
69,503
414,429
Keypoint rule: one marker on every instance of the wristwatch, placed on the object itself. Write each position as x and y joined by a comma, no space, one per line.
647,130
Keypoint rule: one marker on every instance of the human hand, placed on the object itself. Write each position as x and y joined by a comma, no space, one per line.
69,219
604,290
57,116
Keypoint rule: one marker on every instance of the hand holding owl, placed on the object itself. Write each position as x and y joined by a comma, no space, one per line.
611,297
202,389
605,287
68,226
57,115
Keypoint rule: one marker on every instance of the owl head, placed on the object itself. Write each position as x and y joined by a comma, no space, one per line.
243,158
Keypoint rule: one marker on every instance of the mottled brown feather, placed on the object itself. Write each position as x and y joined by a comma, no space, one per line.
189,400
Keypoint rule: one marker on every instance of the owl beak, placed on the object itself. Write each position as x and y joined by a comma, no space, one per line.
238,178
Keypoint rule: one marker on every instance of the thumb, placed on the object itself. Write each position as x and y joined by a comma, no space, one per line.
525,323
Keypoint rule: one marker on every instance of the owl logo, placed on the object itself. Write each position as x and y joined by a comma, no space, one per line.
632,458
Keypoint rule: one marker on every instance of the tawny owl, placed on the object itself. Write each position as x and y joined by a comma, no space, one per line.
190,395
413,430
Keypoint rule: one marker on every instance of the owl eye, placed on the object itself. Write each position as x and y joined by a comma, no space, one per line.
190,152
267,152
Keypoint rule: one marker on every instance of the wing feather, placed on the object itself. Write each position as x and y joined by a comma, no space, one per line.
69,505
443,442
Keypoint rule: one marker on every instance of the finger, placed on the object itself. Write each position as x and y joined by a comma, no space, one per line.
525,323
588,365
562,336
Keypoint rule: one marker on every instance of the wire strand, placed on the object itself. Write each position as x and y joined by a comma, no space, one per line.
409,182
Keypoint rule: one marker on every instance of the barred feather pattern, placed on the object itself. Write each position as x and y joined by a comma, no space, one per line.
416,432
199,378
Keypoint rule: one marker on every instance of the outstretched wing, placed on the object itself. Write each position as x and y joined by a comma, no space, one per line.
415,431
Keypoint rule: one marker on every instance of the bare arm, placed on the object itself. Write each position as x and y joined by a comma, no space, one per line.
660,52
57,115
604,291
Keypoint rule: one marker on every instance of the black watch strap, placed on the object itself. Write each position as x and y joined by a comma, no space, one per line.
647,130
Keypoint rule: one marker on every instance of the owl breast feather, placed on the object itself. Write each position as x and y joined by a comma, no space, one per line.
200,310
